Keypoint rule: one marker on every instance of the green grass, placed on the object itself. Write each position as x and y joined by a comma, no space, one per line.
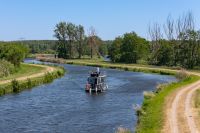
153,119
197,99
25,69
126,67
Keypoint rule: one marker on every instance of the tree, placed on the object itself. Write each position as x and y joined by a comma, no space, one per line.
92,40
103,49
115,53
61,34
80,35
129,48
13,52
71,34
188,41
129,53
165,54
155,35
65,33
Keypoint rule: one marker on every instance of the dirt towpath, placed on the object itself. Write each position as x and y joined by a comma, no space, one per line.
47,69
179,111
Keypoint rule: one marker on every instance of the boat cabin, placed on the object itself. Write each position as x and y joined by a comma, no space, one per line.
96,82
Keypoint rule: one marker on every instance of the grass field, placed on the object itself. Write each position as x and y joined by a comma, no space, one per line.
25,69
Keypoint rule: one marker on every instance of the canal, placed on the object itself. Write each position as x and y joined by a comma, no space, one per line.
63,106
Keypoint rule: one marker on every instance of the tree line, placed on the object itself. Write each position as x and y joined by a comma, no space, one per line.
74,43
181,46
176,43
40,46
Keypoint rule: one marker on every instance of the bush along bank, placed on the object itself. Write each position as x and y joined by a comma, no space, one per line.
17,86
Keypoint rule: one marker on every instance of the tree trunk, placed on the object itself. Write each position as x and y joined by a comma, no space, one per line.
91,53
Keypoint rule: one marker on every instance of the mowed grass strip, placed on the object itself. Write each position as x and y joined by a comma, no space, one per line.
25,70
126,67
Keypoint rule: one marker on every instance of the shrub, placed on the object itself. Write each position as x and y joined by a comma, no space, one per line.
148,95
29,83
126,68
48,78
1,91
182,74
122,130
142,62
160,87
139,111
59,73
6,68
15,86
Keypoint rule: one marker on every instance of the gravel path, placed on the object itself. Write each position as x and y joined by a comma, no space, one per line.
47,69
179,110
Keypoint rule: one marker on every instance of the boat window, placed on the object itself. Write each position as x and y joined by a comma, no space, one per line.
102,79
90,80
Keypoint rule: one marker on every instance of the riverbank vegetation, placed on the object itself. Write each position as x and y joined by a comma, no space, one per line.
16,86
12,69
121,66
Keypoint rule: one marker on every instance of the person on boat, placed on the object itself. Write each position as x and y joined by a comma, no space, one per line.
98,72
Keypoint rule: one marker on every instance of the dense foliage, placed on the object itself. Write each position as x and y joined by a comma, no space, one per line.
40,46
129,48
13,52
179,47
6,68
73,43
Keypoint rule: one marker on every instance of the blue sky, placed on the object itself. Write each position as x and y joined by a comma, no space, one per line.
36,19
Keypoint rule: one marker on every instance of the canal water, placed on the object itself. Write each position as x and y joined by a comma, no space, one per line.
63,106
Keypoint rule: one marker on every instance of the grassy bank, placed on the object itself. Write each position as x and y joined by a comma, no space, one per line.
25,69
17,86
151,119
121,66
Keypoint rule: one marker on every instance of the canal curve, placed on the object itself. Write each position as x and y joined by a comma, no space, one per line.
63,106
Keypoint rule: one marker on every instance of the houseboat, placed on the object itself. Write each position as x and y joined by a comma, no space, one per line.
96,82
